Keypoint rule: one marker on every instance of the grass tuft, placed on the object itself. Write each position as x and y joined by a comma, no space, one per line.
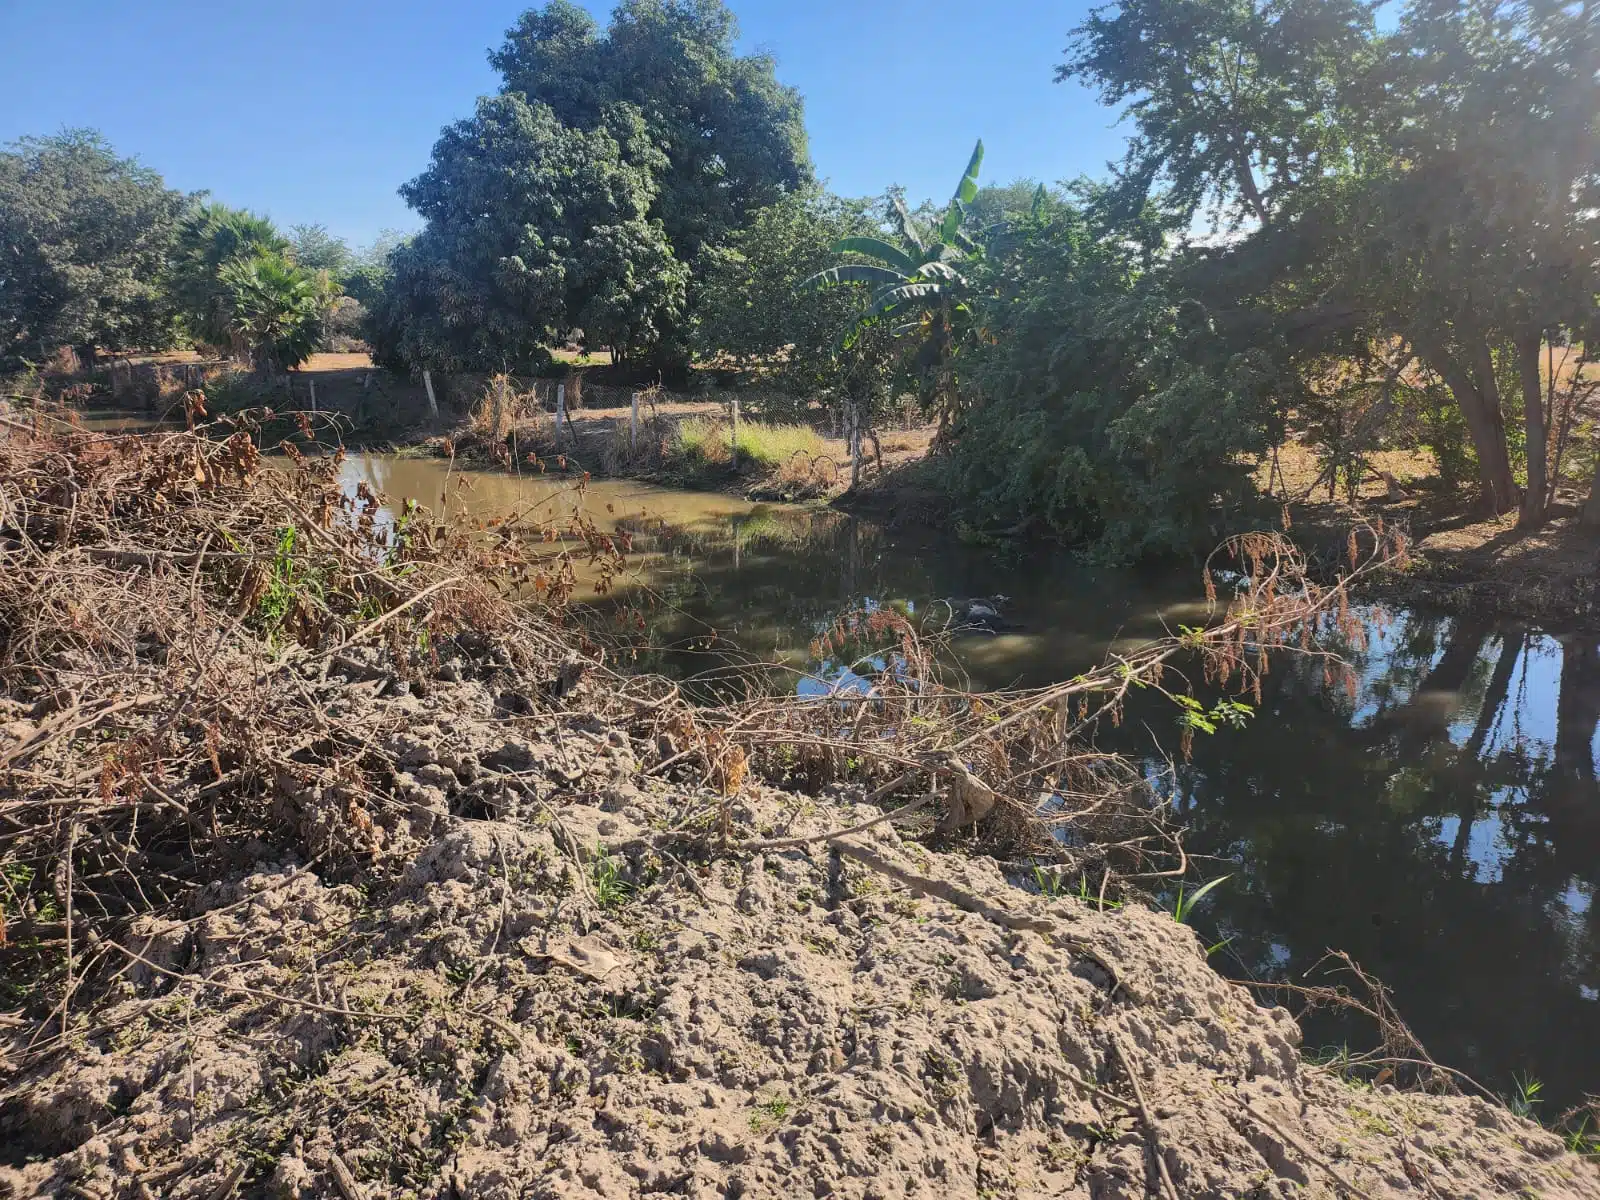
704,442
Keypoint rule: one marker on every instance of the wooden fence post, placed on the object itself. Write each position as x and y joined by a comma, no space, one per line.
733,442
433,405
561,411
499,403
312,384
633,426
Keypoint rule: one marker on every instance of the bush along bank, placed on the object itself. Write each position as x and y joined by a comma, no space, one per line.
331,872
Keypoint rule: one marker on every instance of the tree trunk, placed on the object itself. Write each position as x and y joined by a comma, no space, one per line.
1479,401
1533,499
1247,184
1591,510
1499,688
1426,717
855,445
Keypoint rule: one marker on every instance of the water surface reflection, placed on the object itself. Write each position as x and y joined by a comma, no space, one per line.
1440,820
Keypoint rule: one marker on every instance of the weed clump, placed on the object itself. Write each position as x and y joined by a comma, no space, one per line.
706,442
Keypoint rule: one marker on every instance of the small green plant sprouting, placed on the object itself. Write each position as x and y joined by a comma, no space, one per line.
1215,946
773,1109
1093,898
1336,1058
286,579
611,890
1050,882
1184,907
402,530
1527,1097
1581,1141
278,597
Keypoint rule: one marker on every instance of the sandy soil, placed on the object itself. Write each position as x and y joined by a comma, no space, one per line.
548,1000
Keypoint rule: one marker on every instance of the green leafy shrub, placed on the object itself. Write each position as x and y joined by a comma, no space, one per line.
1106,413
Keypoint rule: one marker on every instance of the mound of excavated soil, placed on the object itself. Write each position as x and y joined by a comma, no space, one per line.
522,1013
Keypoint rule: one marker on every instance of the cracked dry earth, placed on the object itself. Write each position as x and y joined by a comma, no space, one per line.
495,1021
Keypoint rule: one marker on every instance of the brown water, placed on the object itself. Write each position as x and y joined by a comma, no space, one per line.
1441,822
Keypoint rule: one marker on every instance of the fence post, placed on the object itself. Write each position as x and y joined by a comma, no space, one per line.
561,411
433,405
499,403
633,426
312,384
733,444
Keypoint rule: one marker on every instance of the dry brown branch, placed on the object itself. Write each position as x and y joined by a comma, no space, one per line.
178,624
1294,1143
1130,1065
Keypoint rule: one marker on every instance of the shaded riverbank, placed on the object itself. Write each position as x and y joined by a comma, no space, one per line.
1437,821
347,875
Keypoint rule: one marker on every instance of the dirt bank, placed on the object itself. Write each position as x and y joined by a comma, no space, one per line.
337,862
537,1006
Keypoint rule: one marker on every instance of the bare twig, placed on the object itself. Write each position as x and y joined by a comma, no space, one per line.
1130,1065
1301,1148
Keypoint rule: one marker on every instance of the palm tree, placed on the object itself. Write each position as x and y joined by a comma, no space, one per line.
922,283
210,237
274,309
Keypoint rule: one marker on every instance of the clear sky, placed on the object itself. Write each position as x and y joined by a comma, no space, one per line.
317,110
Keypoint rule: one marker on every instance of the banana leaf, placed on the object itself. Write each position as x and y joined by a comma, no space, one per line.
884,252
893,298
906,225
851,273
966,193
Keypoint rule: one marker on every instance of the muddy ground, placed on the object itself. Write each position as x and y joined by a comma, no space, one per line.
537,990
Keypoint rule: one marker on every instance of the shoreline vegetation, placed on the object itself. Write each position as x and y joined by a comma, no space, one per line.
340,855
1458,560
340,861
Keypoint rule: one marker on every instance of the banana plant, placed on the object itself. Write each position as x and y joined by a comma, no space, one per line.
921,281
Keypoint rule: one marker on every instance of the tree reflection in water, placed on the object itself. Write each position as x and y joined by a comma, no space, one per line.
1440,822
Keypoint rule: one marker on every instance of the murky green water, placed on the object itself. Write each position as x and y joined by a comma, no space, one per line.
1440,821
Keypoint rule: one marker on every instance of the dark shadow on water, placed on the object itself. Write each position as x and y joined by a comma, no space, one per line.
1440,821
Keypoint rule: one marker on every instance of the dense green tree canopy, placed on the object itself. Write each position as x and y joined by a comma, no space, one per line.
1232,100
315,249
584,195
755,314
84,237
1108,413
733,137
1431,187
535,229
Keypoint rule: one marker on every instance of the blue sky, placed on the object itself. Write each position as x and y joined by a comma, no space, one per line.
319,111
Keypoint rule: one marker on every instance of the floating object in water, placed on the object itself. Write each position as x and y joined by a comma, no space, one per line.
981,614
